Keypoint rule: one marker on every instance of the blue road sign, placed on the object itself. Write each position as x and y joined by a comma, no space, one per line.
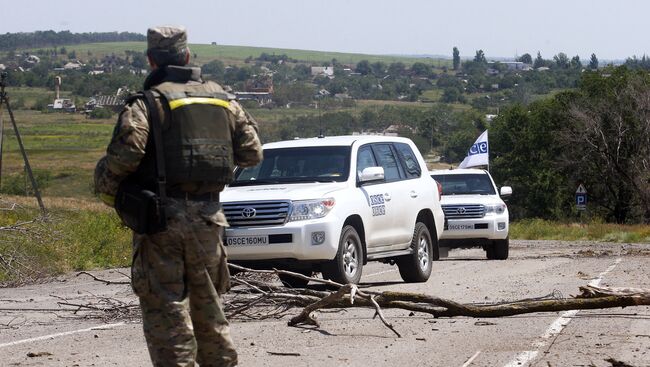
581,198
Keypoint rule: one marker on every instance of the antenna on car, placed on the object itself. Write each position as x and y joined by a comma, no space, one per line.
320,123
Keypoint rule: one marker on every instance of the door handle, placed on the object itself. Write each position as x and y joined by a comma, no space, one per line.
387,197
413,194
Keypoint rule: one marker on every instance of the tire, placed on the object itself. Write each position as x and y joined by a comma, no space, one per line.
499,250
416,268
294,282
347,265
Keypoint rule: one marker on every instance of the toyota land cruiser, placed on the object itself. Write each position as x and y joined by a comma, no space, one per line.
332,204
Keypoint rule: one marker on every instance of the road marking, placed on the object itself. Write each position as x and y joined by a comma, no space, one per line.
557,326
596,281
380,273
523,358
472,358
52,336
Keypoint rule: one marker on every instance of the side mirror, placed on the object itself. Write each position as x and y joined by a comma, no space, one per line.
370,174
506,191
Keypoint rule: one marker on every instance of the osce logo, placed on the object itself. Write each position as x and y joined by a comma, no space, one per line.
479,148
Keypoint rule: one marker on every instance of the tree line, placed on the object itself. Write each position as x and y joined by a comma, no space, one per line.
597,134
14,41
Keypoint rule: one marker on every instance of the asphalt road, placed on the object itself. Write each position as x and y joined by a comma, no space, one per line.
35,332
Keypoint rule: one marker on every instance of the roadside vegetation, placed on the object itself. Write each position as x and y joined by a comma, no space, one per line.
595,230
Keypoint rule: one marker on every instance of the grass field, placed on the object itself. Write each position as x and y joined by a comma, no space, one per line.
62,149
237,54
538,229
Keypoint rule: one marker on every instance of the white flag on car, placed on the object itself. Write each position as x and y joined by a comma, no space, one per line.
478,154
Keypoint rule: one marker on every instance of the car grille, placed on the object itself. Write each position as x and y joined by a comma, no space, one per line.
257,213
463,211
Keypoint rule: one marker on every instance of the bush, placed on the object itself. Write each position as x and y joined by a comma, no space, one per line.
18,184
100,113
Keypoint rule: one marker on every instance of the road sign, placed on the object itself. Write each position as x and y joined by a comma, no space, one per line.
581,198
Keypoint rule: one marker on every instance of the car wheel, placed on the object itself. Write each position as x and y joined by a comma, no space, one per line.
295,282
416,267
489,252
348,263
498,250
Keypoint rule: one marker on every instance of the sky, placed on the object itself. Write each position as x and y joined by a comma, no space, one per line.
501,28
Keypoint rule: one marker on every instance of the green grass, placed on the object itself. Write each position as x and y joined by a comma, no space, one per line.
237,54
432,95
64,146
70,239
538,229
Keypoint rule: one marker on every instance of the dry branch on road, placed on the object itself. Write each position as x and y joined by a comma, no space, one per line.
347,296
256,295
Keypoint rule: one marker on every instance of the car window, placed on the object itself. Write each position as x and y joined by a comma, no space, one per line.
465,184
408,159
365,159
387,160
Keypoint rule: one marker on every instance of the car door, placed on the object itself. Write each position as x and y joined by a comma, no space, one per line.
392,196
374,211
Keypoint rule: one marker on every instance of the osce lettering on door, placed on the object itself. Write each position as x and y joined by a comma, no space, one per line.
377,205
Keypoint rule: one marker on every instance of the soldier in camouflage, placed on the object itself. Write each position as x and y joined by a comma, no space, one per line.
180,273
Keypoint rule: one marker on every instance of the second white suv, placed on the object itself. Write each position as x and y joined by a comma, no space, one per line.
476,215
332,204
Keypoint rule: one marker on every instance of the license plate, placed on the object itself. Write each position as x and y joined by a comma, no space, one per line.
460,227
247,240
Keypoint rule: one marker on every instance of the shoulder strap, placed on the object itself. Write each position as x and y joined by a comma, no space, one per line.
155,124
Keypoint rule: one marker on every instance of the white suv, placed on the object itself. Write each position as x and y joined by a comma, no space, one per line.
475,213
332,204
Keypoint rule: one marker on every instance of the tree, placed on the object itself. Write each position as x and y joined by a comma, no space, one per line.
593,62
456,58
608,142
215,68
363,67
421,69
480,57
539,61
396,69
378,69
450,95
523,154
526,59
562,61
575,62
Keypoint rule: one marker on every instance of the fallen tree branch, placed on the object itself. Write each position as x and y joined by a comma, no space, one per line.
255,295
107,282
349,296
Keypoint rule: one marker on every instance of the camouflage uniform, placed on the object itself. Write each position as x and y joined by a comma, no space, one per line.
179,273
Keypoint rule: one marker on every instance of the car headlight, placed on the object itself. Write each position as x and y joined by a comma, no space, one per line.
496,209
310,209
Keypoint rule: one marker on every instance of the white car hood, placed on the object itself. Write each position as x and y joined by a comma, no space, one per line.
470,199
301,191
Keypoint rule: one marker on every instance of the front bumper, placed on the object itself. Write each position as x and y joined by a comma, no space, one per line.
491,227
293,240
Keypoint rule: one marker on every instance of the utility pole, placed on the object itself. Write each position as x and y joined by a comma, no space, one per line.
4,100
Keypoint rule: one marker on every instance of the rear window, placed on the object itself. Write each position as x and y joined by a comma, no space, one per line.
465,184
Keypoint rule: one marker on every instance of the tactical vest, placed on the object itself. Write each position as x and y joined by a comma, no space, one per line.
196,134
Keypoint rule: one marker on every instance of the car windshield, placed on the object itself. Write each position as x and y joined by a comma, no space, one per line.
297,165
465,184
